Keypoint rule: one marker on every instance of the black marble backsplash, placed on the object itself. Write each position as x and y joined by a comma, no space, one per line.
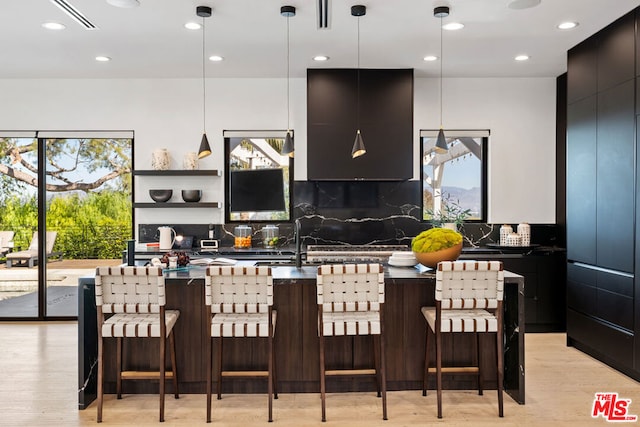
353,213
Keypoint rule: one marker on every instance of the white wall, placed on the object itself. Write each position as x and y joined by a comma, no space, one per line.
167,113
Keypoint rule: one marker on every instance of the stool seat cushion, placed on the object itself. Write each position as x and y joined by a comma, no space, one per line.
242,324
474,320
351,323
131,325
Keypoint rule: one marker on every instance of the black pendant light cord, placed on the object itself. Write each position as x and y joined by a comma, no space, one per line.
358,100
288,49
441,60
204,89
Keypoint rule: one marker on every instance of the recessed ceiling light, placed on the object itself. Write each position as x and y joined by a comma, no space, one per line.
430,58
567,25
522,58
452,26
523,4
124,3
103,59
320,58
192,26
54,26
215,58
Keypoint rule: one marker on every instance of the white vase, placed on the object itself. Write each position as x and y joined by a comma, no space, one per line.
160,159
450,225
190,161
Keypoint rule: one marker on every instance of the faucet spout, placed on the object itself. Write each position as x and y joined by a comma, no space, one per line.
298,244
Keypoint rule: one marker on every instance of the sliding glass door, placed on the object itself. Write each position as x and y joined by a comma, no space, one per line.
18,226
70,206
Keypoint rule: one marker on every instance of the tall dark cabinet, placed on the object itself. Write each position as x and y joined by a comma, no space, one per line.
601,210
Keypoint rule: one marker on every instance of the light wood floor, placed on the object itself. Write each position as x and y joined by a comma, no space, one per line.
38,387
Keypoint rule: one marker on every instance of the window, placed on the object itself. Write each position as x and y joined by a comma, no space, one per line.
258,177
456,180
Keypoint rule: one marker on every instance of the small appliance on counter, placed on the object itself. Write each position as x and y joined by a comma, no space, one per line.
167,237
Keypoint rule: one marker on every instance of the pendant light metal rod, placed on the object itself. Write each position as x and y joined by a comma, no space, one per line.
205,148
204,86
358,145
441,142
288,147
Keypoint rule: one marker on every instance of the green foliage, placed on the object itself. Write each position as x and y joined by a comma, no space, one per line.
450,212
435,239
94,225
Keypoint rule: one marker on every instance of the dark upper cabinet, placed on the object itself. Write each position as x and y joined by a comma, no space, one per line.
385,104
582,76
616,52
581,180
615,173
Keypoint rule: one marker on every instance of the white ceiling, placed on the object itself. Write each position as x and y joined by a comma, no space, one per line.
150,41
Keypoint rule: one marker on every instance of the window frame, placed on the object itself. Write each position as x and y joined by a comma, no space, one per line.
279,134
484,134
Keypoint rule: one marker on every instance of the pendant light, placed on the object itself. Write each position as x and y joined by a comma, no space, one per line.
288,147
441,142
205,148
358,145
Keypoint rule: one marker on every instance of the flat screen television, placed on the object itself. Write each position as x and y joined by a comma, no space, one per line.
256,190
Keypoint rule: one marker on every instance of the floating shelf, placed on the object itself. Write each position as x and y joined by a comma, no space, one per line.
176,205
178,172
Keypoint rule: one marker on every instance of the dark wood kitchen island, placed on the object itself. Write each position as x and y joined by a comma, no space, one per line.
296,339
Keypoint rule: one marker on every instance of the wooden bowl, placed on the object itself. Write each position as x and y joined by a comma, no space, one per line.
431,259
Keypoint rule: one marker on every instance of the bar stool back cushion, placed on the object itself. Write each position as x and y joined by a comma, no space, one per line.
350,296
135,295
239,298
466,289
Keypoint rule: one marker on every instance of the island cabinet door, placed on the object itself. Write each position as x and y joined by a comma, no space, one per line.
191,332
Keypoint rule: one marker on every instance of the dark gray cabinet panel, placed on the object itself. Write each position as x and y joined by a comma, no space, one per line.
582,66
386,121
581,180
615,177
616,53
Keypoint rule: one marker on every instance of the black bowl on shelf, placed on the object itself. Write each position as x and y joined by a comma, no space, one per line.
160,196
191,195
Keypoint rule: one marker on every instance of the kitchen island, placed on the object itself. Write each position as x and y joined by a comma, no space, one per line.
296,338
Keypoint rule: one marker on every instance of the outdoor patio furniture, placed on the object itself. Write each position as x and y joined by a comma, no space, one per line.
30,256
6,242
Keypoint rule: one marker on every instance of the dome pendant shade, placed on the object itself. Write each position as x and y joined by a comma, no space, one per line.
205,148
288,148
441,143
358,146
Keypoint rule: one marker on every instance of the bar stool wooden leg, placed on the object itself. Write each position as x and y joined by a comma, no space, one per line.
322,376
383,370
174,366
209,377
376,361
275,377
119,367
163,350
479,355
500,357
439,369
270,377
100,377
219,367
425,376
